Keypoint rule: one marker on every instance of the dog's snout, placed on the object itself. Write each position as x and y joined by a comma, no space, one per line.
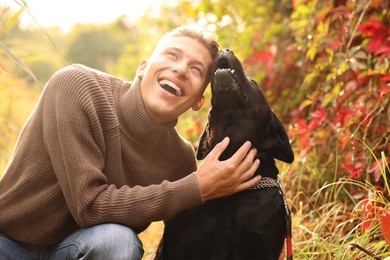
227,50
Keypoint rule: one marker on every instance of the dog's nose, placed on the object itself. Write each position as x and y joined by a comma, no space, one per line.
228,50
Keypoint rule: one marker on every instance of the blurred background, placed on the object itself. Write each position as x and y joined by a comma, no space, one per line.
323,65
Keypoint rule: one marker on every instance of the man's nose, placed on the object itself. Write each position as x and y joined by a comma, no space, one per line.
181,68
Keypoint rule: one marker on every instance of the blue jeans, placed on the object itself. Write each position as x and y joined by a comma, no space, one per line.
106,241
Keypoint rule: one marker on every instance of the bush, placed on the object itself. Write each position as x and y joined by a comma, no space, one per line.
325,69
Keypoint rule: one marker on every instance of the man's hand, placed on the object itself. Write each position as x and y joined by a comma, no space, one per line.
222,178
282,253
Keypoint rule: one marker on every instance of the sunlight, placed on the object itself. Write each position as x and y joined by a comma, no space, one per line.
68,13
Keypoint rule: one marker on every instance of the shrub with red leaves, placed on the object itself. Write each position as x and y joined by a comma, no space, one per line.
339,95
385,225
331,80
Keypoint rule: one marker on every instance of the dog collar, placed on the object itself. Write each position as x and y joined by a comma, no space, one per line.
267,182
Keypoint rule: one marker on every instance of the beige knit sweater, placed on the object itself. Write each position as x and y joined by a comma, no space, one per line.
90,154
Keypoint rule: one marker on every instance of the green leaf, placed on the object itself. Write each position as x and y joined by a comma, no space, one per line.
13,20
311,53
336,90
330,53
305,103
329,97
18,61
309,78
323,27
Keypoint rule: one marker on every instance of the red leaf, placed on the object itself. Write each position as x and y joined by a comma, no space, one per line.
304,140
384,91
385,78
375,169
372,28
261,56
313,124
354,164
355,175
301,125
294,4
336,43
320,114
385,224
370,212
379,34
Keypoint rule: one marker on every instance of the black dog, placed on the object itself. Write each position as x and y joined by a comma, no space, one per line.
250,224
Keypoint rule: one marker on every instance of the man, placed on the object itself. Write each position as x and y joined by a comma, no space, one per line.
99,158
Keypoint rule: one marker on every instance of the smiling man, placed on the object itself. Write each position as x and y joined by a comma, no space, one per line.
174,78
99,158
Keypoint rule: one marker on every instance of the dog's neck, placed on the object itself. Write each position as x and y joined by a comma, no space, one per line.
267,167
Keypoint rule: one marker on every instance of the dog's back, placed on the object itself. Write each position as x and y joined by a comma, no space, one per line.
248,225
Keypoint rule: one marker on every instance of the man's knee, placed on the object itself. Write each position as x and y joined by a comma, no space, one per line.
124,240
111,241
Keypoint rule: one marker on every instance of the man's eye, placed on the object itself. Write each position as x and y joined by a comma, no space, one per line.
197,69
172,54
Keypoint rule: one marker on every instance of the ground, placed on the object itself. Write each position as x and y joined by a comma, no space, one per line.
151,237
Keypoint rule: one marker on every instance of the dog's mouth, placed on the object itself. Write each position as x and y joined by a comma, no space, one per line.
219,70
230,80
223,65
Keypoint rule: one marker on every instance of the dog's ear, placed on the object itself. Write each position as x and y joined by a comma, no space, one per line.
203,148
283,152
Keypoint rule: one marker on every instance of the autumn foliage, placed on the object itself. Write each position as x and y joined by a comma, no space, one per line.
328,75
324,66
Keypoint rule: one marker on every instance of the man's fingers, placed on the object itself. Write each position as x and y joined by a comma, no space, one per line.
230,176
240,154
282,253
249,184
220,148
237,157
247,162
251,170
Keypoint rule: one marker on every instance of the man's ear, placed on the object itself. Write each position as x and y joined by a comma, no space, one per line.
141,69
198,104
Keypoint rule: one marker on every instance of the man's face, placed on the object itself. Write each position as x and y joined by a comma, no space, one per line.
173,79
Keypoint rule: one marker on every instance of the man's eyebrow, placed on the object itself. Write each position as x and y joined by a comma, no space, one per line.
196,60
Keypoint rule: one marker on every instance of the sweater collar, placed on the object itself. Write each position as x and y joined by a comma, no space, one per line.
137,122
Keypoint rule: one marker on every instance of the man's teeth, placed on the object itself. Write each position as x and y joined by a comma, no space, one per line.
228,69
171,87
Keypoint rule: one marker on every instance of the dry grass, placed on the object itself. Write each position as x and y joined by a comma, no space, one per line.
151,237
326,221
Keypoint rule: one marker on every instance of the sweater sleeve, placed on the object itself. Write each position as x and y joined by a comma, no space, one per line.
71,133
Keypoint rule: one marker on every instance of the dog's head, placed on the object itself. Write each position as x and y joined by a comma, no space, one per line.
240,111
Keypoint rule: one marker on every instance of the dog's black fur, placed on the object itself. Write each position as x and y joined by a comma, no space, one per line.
250,224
